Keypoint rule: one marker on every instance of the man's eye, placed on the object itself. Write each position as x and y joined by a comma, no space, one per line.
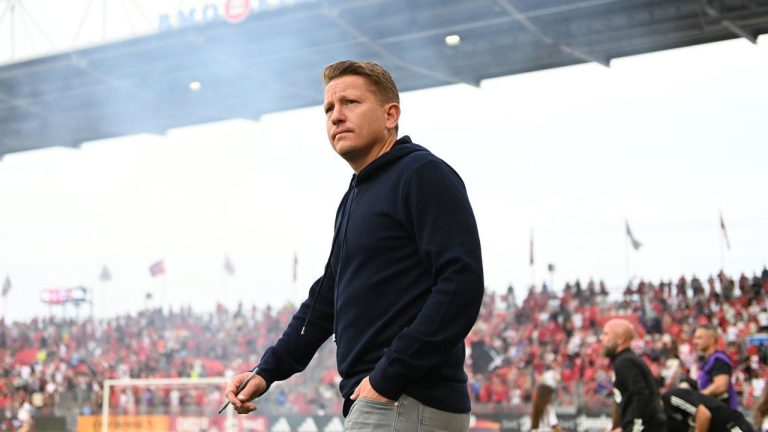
350,102
328,110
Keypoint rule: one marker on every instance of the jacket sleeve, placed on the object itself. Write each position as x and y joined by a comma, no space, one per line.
438,212
294,350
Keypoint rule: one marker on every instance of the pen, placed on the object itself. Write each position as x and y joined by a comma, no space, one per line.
239,389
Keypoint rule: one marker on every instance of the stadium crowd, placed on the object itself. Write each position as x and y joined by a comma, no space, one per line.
54,366
512,345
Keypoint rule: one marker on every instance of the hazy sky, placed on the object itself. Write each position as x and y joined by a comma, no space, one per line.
664,139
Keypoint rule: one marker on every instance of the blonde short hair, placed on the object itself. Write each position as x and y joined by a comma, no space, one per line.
380,80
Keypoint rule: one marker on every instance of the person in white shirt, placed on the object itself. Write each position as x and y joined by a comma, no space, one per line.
543,416
762,319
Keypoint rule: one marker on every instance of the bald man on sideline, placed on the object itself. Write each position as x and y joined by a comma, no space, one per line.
637,405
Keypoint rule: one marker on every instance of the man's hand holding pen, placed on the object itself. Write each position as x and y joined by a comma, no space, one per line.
242,402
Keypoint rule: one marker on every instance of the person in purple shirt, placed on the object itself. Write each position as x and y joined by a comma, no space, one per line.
716,368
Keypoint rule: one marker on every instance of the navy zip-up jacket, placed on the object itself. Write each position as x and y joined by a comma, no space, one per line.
401,289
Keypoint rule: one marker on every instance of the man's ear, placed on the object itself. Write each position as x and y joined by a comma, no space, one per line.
392,111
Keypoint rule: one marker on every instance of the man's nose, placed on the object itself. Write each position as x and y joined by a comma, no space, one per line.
337,116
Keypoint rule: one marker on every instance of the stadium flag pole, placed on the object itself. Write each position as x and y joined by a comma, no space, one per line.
104,277
223,289
722,253
6,289
229,271
295,272
224,283
102,297
164,283
551,269
531,262
723,241
626,254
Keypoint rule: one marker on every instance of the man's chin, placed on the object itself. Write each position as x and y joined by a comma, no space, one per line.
344,148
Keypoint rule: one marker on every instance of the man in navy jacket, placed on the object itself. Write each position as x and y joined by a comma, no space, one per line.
404,280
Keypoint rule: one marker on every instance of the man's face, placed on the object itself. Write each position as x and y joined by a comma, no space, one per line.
356,120
703,339
609,340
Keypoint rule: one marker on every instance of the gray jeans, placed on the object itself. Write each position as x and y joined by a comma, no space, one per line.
405,415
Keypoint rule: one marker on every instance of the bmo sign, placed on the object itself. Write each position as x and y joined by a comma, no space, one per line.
236,10
232,11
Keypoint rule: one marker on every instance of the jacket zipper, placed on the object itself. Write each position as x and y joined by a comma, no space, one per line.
343,239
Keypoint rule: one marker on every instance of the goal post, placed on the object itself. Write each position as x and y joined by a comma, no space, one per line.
191,405
110,385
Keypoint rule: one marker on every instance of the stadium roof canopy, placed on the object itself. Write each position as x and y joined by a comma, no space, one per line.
272,60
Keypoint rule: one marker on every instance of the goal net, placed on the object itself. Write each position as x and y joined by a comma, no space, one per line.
167,405
191,404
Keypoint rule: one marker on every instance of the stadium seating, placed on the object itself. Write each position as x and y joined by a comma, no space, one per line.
54,366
